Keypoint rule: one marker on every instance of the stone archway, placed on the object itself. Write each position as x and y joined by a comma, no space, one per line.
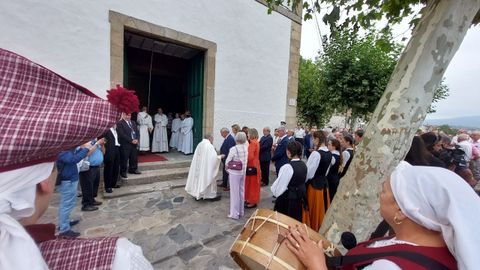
120,22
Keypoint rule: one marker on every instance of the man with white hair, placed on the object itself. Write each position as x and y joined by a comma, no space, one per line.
465,145
228,142
265,156
280,154
30,145
203,169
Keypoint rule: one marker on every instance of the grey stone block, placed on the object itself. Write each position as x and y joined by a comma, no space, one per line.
179,234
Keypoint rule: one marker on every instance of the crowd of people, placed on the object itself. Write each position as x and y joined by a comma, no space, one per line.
304,190
427,202
246,159
166,132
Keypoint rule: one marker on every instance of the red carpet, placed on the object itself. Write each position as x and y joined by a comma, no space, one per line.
150,158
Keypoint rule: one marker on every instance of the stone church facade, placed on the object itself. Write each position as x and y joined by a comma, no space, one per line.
240,64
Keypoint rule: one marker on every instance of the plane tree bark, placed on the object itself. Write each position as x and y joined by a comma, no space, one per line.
398,115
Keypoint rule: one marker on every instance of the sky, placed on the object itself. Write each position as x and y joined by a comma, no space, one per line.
462,74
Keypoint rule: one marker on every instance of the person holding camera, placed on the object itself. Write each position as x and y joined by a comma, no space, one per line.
90,178
68,179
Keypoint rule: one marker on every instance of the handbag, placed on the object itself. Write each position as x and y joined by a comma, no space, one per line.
84,165
251,171
235,164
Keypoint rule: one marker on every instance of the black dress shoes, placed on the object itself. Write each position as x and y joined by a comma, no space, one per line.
136,172
108,190
97,203
89,208
123,175
117,186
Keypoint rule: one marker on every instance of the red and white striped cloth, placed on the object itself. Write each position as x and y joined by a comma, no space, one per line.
42,113
79,254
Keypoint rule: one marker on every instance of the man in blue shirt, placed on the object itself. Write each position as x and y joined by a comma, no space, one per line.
68,178
90,179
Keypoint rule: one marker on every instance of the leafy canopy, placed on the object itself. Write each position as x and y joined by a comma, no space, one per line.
314,106
350,75
356,71
359,13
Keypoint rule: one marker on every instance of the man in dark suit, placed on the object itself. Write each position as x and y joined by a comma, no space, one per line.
228,143
308,142
266,143
111,159
128,134
280,155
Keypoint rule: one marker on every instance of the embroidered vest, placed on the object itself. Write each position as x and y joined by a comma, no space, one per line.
408,256
319,179
332,175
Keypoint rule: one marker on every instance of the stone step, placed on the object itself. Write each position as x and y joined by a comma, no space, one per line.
127,190
147,166
157,175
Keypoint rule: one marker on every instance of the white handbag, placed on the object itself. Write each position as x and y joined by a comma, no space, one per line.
83,165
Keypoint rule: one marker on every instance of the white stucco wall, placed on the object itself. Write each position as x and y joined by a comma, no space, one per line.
72,38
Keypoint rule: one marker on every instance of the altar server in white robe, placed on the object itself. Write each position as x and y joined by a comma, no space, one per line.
187,134
145,127
160,140
201,182
176,123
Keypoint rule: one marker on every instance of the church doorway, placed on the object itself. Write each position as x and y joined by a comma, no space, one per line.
165,75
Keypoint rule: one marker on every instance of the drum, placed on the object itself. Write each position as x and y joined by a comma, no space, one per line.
261,245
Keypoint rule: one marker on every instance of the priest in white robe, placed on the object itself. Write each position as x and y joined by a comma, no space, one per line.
145,127
176,124
201,182
187,134
160,140
180,136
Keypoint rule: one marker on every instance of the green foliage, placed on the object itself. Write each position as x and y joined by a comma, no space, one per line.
447,129
313,105
360,13
356,70
442,92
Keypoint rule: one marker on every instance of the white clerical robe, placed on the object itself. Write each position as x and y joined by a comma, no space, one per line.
160,140
187,136
144,125
176,124
201,182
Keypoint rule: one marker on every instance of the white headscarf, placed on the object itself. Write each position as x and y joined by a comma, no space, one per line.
440,200
17,200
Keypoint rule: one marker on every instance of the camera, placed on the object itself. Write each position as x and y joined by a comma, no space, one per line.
454,156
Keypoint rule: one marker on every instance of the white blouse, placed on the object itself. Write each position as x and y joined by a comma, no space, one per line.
313,162
283,179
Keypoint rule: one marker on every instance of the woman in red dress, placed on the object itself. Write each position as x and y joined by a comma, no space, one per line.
252,181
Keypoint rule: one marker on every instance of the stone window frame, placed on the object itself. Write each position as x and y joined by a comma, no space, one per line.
120,22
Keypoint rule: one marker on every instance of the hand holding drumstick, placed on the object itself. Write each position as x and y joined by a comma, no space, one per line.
307,251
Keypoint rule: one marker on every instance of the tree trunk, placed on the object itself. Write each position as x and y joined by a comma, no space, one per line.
399,113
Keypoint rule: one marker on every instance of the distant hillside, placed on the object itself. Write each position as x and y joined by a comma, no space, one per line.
458,122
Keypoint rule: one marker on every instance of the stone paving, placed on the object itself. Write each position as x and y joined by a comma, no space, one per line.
174,230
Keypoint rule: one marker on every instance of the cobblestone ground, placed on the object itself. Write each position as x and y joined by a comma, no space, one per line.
174,230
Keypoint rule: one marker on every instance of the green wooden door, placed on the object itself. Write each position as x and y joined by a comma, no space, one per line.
125,66
195,96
